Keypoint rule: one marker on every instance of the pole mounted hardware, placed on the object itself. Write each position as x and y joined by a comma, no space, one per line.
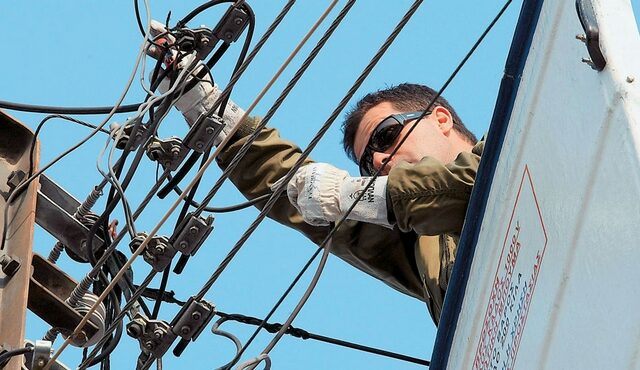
202,135
232,24
127,132
158,252
591,37
194,316
169,152
191,233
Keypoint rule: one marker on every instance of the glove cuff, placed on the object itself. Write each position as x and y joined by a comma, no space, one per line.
372,207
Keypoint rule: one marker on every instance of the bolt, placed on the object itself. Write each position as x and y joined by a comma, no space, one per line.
238,21
184,244
9,265
41,362
209,130
630,79
199,144
159,249
194,230
588,62
205,41
134,330
196,315
582,37
148,345
185,330
175,150
228,35
158,333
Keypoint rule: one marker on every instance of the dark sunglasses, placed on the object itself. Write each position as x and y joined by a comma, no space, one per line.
383,137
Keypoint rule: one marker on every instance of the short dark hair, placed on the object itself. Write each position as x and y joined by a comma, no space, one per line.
404,97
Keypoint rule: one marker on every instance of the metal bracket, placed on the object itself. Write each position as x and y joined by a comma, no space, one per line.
155,336
49,287
194,316
158,252
126,136
169,152
54,213
591,37
191,233
201,137
41,354
199,39
9,265
231,25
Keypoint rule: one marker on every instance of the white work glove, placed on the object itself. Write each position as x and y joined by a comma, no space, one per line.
197,101
323,194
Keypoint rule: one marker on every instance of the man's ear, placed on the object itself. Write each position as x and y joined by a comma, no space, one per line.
444,119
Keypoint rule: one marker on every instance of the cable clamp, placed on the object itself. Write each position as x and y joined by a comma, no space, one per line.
169,152
199,39
158,252
125,136
191,233
194,316
155,336
202,135
231,25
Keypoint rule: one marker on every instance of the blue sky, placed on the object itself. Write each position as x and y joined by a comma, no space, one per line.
72,53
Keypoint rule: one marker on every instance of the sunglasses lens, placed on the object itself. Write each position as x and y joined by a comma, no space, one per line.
384,137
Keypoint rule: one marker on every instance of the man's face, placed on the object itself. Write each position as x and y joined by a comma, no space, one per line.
429,138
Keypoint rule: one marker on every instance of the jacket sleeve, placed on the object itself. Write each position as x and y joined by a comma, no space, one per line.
431,198
385,254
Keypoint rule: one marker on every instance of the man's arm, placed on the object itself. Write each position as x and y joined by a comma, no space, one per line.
381,252
431,198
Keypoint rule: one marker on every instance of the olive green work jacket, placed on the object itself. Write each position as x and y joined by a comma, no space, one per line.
427,199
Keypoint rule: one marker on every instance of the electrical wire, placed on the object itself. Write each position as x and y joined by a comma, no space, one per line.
199,174
226,94
23,185
111,113
6,356
341,221
32,108
305,335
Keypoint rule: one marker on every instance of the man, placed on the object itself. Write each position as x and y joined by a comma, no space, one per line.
406,229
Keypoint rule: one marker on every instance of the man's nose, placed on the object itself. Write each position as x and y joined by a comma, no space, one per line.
378,159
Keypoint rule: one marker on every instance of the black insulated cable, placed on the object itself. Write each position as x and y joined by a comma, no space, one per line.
304,334
8,355
341,221
66,110
236,248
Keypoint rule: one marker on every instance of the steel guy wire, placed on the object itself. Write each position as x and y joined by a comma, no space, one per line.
198,175
344,217
316,139
234,79
285,92
139,58
25,183
142,110
226,91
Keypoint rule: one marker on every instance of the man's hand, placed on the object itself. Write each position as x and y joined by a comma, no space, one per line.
198,100
323,194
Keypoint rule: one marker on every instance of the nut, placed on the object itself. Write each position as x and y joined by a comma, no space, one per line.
196,315
194,230
185,330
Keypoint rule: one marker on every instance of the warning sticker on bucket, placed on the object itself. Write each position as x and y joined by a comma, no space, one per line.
514,283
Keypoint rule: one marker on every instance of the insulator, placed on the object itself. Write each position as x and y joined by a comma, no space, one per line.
86,206
79,291
55,252
51,335
97,318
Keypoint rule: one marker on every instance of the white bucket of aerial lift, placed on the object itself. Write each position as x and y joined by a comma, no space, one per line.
555,280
